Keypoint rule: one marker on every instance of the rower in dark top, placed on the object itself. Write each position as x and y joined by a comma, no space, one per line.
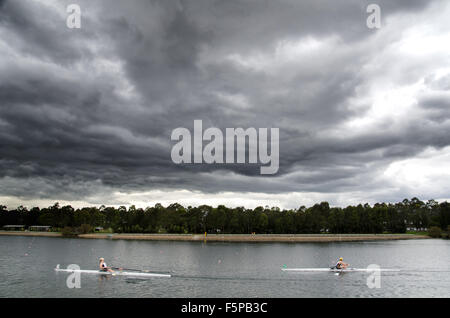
103,266
340,264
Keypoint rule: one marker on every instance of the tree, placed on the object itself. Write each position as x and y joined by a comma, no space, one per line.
435,232
175,218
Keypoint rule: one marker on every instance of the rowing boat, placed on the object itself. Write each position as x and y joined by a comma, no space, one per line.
116,273
350,269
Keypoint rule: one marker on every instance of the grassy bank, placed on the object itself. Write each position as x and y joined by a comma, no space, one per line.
233,237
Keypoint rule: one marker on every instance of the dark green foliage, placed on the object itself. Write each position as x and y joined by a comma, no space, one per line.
85,228
400,217
69,231
435,232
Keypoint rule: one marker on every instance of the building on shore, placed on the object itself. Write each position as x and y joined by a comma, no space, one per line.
14,227
40,228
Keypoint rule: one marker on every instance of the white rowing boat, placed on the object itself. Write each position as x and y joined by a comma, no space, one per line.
116,273
349,269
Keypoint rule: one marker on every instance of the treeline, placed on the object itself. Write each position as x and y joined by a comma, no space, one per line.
320,218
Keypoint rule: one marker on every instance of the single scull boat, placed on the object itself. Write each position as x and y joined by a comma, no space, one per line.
116,273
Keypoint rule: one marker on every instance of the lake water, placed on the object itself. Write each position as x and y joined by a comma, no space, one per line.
223,269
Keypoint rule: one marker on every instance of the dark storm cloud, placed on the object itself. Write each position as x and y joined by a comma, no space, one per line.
32,30
95,107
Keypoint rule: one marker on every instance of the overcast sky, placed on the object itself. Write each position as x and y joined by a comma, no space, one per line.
86,114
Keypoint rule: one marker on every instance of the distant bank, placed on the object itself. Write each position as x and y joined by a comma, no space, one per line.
232,237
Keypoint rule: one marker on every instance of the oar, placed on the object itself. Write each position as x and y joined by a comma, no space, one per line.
130,269
137,270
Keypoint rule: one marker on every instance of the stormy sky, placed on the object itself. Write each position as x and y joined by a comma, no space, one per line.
86,115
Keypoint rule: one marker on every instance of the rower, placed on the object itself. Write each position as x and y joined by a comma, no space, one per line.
103,266
340,264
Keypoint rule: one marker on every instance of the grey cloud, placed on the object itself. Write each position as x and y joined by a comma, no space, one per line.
33,30
62,120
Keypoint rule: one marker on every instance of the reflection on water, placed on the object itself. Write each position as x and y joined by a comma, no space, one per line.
223,269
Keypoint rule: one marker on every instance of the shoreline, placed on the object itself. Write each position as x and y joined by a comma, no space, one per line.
286,238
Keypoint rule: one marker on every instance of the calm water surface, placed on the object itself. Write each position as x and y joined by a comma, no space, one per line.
222,269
